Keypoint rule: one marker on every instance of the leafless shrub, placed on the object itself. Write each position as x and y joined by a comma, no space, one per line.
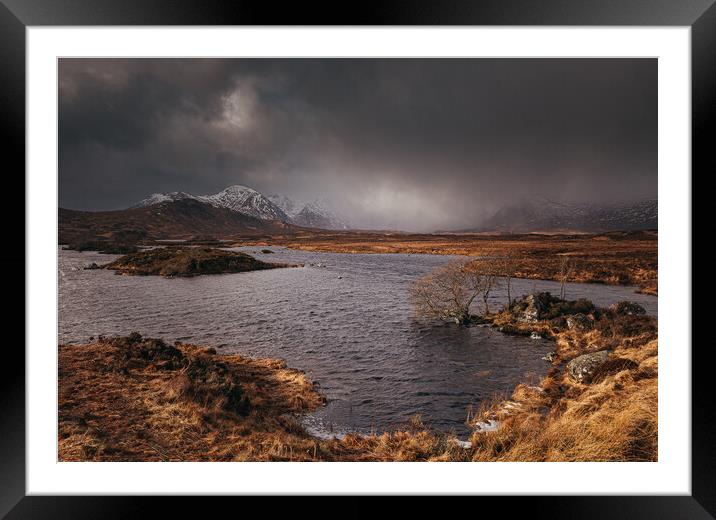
508,267
489,271
447,292
565,269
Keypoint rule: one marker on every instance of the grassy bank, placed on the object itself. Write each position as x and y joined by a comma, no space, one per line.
138,399
611,416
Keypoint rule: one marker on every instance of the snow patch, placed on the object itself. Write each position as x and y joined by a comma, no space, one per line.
487,426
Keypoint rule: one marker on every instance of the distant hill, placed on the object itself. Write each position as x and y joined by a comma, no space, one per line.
180,218
543,215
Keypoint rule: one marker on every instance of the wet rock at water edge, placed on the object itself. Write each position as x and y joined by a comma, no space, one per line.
474,319
550,356
92,266
628,308
583,368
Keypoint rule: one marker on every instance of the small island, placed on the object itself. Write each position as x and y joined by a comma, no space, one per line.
187,261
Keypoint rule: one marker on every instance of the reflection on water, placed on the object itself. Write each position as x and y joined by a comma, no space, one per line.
348,324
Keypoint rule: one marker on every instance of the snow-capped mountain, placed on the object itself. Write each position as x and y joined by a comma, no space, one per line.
236,198
250,202
547,215
247,201
158,198
289,206
317,215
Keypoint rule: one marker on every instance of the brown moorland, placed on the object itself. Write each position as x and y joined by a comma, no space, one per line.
140,399
627,258
617,258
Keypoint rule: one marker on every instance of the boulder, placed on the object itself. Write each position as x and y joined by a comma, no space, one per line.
578,322
583,368
627,308
530,308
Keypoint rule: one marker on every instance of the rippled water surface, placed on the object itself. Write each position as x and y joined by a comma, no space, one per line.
347,322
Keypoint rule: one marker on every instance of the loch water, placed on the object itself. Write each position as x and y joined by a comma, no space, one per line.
343,318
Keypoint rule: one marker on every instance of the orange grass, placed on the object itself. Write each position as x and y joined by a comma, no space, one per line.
612,419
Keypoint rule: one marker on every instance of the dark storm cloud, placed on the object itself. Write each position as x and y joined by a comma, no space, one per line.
409,143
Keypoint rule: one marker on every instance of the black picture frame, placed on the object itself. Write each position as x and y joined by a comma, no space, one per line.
16,15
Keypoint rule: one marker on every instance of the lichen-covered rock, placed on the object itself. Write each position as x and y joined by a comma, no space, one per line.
579,322
627,308
530,308
533,309
545,306
583,368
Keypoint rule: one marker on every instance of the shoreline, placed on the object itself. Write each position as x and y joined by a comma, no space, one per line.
602,258
261,422
613,258
649,290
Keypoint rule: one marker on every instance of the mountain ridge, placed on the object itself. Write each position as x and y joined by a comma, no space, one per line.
249,201
545,215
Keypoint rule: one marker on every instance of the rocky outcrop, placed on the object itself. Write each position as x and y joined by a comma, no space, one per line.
544,306
530,308
626,308
583,368
579,322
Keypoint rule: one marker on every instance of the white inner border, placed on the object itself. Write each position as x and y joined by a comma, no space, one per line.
671,474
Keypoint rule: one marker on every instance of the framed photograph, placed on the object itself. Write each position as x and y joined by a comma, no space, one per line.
416,251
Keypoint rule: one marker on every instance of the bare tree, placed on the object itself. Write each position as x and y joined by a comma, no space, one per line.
508,271
565,269
489,272
448,292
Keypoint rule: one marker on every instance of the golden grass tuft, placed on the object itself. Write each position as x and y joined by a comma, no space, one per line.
612,419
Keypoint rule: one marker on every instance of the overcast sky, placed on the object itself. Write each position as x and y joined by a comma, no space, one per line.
413,144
